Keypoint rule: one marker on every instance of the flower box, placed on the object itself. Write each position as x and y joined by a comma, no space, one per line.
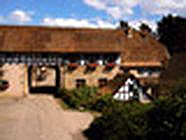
73,65
110,65
92,65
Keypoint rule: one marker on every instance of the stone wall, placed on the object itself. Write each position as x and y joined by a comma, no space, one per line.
15,74
69,77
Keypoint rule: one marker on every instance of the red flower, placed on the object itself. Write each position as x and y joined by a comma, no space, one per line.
92,65
73,65
110,65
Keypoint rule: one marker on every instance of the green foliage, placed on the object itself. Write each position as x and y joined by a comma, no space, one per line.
120,121
164,118
85,98
171,32
179,90
102,103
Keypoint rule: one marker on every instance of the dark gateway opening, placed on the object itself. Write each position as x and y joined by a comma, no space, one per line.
37,77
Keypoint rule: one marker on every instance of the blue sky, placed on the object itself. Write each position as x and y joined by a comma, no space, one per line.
87,13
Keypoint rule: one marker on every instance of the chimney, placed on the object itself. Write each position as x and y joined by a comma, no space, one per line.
145,29
126,28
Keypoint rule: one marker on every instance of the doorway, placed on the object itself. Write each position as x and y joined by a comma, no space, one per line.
43,79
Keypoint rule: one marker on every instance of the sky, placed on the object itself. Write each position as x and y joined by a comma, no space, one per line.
88,13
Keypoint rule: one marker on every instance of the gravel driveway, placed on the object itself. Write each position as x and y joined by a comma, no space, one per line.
40,118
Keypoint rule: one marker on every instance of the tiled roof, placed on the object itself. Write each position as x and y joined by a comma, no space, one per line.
137,48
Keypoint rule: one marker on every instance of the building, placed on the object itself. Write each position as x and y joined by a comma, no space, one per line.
35,59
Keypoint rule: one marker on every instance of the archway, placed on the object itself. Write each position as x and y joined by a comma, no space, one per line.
43,79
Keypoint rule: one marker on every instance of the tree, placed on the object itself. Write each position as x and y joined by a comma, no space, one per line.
166,119
172,33
120,121
163,119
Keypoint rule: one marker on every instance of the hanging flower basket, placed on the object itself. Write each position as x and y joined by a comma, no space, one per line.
110,65
73,65
92,65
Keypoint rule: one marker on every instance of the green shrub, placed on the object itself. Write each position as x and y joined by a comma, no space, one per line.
179,89
119,121
85,98
164,118
102,102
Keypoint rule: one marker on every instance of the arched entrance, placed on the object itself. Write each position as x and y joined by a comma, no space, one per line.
43,79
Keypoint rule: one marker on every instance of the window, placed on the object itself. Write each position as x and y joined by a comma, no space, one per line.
102,82
80,83
144,72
